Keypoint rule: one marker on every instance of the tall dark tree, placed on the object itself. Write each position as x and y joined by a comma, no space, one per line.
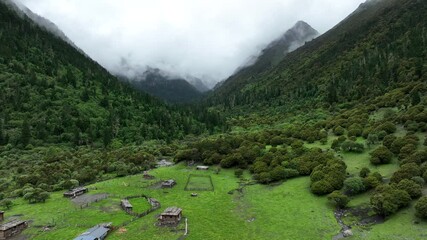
25,133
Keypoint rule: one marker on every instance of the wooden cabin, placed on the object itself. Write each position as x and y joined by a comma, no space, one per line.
98,232
153,202
168,183
126,205
171,216
76,192
11,229
204,168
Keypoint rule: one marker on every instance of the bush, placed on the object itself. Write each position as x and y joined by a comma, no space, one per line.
354,185
339,131
338,199
321,187
381,155
388,200
421,208
351,146
371,182
290,173
406,171
419,180
412,188
238,173
364,172
6,203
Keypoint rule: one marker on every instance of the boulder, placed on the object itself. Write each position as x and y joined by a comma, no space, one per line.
347,233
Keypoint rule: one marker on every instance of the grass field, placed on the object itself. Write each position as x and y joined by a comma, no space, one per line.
286,211
199,182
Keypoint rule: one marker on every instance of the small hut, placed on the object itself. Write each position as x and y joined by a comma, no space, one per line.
153,202
98,232
1,216
11,229
76,192
171,216
204,168
168,183
126,205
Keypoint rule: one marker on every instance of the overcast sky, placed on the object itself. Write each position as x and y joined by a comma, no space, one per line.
205,38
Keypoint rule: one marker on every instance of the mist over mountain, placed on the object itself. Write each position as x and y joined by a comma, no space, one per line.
275,52
40,21
166,86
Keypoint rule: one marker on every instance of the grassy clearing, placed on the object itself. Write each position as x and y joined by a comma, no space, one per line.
260,212
285,211
199,182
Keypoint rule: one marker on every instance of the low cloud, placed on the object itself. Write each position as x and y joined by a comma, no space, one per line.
207,39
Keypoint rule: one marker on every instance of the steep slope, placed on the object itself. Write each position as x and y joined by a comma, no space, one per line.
275,52
51,93
170,89
379,47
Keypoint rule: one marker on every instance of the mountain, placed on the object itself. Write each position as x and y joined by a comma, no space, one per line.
378,48
54,94
41,21
171,89
275,52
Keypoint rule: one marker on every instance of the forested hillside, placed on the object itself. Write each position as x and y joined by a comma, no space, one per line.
380,47
170,89
52,93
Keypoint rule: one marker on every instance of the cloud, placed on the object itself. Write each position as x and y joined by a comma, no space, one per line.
208,39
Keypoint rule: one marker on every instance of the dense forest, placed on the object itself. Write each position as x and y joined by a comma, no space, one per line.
53,94
378,48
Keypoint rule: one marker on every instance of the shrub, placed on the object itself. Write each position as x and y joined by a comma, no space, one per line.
238,173
290,173
321,187
381,155
412,188
338,199
421,208
406,171
354,185
388,200
364,172
419,180
339,131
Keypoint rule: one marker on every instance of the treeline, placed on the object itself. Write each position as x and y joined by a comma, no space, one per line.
52,93
48,169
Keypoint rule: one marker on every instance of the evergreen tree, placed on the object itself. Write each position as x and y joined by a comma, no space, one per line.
25,133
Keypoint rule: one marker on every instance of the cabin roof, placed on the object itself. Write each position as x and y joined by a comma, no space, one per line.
172,211
93,233
74,190
126,203
14,223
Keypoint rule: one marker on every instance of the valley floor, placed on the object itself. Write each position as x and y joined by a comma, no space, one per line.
285,211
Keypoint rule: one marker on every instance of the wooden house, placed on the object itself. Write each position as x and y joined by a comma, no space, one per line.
202,168
171,216
76,192
126,205
153,202
11,229
168,183
98,232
